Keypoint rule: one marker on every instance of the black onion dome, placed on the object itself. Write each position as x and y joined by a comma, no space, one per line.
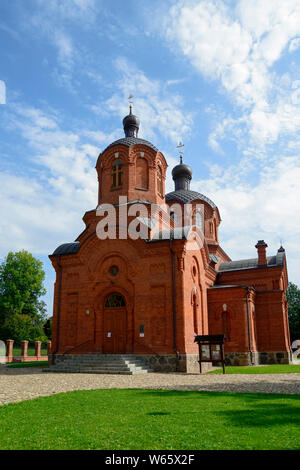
182,170
182,175
131,124
131,120
185,196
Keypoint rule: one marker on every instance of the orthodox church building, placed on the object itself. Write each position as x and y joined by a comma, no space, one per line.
148,296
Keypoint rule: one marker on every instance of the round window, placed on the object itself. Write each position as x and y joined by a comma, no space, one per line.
114,271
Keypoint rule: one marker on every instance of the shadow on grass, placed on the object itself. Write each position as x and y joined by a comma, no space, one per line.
263,416
194,393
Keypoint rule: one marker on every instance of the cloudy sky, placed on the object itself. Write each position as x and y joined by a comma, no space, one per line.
223,76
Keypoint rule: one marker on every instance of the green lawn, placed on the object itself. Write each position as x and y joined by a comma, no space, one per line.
18,365
273,369
152,419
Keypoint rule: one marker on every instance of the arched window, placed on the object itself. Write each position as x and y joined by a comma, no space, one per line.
174,217
141,179
115,300
226,324
195,315
159,182
117,174
199,220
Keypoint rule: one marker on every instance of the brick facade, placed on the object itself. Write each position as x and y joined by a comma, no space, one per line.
168,289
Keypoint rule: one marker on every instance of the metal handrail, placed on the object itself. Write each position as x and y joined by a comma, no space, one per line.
147,347
77,346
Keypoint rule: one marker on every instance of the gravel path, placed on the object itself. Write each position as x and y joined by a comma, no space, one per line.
24,384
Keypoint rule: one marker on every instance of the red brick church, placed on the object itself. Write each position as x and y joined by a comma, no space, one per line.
148,297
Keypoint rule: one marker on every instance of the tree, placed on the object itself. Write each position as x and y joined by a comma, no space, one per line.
21,286
21,326
293,297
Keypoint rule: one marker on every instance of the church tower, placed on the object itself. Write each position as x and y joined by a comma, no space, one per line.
131,167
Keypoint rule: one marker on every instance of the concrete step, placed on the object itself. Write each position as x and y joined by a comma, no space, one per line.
101,364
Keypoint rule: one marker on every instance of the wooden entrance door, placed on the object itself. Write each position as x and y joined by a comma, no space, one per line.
114,328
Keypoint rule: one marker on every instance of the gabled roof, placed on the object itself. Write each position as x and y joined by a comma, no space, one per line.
273,261
185,196
128,141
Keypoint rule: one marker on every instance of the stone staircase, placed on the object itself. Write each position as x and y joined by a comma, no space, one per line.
100,364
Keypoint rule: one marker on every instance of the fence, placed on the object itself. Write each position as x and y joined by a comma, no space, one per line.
21,353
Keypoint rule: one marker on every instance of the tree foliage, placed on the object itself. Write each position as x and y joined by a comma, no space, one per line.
21,326
21,286
293,297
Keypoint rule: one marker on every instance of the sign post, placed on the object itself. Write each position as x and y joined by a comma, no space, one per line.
211,349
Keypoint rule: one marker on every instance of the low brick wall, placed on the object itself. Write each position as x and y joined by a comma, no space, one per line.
24,357
29,358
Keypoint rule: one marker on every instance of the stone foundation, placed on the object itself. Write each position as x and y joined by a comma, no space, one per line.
282,357
187,363
257,358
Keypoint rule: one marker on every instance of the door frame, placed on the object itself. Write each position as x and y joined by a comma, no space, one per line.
107,310
101,293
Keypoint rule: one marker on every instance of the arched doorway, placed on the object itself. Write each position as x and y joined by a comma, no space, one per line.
114,324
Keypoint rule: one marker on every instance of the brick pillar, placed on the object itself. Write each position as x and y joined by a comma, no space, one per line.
261,247
38,345
9,350
24,349
49,347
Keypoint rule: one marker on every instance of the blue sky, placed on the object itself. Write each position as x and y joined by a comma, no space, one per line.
222,76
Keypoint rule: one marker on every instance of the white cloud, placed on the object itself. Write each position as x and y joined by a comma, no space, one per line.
44,205
239,47
266,210
65,48
294,44
160,109
2,92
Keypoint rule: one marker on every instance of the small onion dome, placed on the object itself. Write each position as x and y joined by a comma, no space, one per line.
131,124
182,175
281,249
182,170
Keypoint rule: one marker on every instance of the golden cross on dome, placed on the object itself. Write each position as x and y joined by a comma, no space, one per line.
130,102
179,146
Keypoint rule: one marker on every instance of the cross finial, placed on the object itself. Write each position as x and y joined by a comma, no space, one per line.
179,146
130,102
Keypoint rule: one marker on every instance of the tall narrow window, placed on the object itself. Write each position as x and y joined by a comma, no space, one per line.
159,182
226,324
195,315
199,220
141,174
117,174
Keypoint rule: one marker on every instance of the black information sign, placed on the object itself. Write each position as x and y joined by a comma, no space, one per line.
211,349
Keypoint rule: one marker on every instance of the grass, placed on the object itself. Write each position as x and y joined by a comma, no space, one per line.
17,351
273,369
152,419
19,365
